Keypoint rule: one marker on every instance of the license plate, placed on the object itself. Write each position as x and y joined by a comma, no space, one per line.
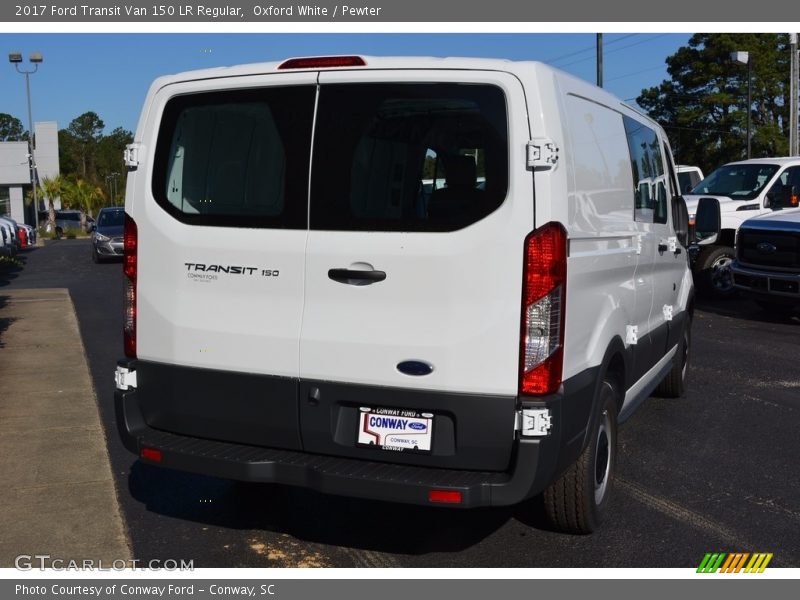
395,429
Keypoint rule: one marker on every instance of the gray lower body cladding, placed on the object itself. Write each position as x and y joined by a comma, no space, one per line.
297,432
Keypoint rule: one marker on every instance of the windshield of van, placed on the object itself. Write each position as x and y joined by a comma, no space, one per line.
738,182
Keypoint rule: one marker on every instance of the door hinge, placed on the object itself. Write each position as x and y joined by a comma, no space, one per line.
131,156
125,378
542,154
667,312
534,421
672,243
632,334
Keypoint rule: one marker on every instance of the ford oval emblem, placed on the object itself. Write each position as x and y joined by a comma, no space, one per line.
416,368
418,426
766,248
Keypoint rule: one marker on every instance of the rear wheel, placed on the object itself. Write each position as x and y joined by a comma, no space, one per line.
674,384
713,271
577,501
59,233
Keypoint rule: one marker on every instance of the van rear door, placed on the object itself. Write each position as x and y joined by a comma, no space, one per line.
408,288
223,230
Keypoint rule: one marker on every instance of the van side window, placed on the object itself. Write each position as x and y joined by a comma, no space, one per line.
236,158
649,179
408,157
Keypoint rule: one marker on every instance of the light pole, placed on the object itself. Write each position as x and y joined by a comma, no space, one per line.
599,52
794,79
111,181
744,59
35,58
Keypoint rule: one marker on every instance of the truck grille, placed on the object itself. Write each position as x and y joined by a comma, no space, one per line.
778,250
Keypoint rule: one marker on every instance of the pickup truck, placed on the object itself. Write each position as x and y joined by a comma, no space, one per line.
767,264
744,189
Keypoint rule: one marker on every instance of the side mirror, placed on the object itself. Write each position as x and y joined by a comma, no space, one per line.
680,215
707,222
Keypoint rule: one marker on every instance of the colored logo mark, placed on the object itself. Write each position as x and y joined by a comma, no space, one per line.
745,562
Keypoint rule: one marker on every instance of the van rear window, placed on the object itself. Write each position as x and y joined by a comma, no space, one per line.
386,157
236,158
408,156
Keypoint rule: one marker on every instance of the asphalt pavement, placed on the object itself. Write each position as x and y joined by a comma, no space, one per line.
714,471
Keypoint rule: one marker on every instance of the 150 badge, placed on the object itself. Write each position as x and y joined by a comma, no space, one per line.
208,272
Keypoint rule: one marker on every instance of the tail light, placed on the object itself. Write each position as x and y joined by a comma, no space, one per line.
130,268
543,301
23,237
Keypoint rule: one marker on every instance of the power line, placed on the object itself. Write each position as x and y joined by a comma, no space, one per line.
644,41
635,73
588,49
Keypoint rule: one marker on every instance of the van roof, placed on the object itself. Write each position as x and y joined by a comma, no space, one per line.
520,69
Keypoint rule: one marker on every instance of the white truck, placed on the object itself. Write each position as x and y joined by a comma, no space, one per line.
744,189
299,310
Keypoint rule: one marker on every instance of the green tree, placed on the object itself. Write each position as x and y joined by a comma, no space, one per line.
111,171
86,131
11,129
51,189
703,107
84,195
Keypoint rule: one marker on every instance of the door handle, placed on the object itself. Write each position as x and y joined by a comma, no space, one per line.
662,247
356,277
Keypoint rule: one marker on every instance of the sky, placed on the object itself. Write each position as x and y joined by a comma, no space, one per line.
111,73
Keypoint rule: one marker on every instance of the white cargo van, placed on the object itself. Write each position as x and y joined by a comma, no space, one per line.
300,309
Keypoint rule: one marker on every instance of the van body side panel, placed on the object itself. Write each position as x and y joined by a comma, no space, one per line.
601,293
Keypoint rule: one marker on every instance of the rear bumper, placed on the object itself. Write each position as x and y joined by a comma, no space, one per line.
534,462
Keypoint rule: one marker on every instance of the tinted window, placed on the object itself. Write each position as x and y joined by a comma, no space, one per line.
739,182
236,158
111,218
649,180
408,157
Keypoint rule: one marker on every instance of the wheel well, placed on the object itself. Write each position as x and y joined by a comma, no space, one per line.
727,237
616,371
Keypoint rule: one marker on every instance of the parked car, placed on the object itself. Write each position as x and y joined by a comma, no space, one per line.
744,189
107,234
688,177
305,322
66,219
27,235
9,228
7,248
767,265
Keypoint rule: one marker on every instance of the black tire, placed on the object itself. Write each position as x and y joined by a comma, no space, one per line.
712,271
59,233
674,384
577,501
95,257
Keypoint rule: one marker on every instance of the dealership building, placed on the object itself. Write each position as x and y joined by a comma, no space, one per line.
15,171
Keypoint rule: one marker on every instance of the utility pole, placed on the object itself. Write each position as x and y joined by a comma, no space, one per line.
599,60
794,80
